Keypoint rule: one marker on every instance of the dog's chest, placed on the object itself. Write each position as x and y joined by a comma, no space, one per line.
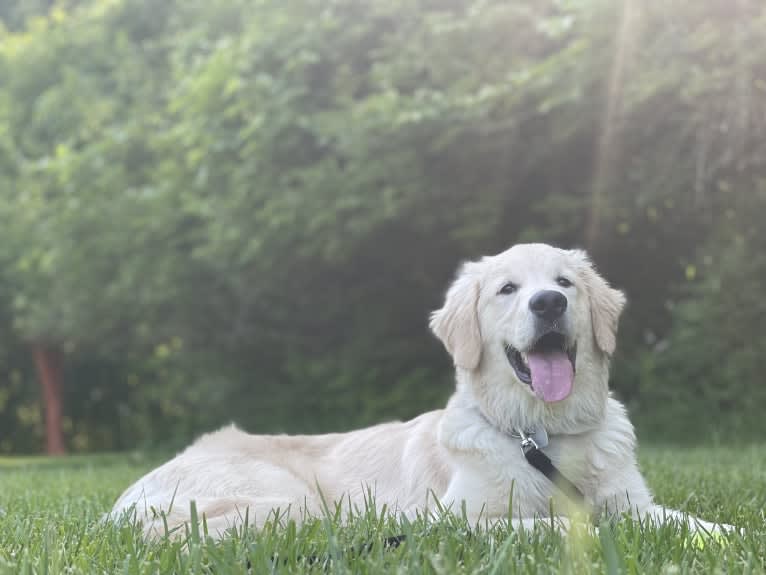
572,458
500,478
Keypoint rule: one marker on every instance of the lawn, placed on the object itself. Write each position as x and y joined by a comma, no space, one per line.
50,514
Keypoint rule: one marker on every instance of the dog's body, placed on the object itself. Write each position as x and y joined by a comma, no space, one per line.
530,331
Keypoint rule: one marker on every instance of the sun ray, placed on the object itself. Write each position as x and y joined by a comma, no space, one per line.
626,37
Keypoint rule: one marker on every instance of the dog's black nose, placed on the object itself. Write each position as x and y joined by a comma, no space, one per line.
548,304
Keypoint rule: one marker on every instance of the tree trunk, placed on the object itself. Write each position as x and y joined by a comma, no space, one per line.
48,362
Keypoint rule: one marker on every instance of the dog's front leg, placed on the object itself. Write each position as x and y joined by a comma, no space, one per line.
558,522
659,515
626,492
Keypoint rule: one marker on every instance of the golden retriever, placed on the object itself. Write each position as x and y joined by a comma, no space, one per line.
531,332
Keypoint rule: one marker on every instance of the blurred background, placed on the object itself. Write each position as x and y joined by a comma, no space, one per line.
241,210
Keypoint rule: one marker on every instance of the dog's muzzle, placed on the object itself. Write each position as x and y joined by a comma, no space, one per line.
548,366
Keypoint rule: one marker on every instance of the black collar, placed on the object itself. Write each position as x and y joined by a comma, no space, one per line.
537,459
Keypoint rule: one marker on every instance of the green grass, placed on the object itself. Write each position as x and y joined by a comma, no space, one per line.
50,514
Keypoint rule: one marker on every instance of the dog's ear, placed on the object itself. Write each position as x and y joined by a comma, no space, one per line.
456,324
606,304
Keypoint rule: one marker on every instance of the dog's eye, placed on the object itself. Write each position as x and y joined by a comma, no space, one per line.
563,282
508,288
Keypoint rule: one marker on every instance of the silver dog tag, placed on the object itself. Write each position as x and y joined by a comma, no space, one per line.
540,437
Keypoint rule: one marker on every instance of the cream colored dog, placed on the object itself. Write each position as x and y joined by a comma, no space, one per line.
531,331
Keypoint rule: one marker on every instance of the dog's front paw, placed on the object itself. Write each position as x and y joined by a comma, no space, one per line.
700,525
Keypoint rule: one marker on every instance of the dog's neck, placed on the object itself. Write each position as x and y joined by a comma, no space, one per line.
509,407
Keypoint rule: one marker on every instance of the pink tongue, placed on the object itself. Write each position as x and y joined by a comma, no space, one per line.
552,375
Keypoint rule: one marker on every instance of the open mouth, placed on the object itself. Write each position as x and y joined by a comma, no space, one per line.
548,367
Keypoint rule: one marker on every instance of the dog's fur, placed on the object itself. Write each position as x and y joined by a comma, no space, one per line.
465,454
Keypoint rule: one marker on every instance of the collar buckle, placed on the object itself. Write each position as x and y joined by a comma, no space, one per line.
527,443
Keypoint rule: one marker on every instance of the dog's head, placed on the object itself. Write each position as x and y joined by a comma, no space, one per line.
536,318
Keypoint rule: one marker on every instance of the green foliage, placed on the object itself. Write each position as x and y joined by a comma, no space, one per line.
711,363
247,209
50,512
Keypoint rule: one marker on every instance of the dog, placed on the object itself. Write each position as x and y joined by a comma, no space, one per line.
531,332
